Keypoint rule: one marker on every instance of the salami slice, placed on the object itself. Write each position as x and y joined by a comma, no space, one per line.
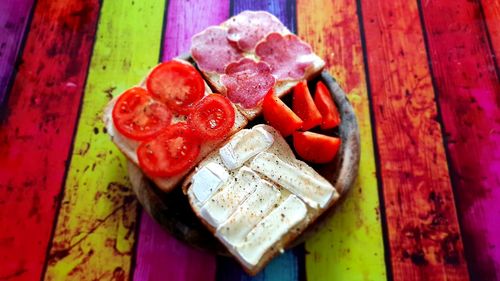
247,82
212,51
248,28
287,55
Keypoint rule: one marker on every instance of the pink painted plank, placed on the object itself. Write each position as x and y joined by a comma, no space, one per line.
13,20
159,255
469,96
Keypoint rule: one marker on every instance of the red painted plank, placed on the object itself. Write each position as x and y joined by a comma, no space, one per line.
491,9
469,98
36,136
13,20
423,232
159,254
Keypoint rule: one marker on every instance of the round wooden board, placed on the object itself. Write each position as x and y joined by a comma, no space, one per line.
172,210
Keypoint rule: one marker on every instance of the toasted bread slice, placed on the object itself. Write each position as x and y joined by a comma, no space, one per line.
255,196
129,147
281,88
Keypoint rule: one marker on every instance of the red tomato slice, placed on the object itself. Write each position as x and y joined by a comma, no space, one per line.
172,152
138,116
303,105
177,84
213,117
315,148
279,115
324,102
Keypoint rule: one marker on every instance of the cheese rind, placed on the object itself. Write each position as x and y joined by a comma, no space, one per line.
244,145
235,229
218,209
207,180
279,222
313,189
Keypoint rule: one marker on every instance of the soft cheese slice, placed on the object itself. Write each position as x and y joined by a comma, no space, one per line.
207,180
278,223
235,229
233,193
314,190
244,145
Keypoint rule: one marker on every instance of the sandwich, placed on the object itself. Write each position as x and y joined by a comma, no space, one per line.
185,126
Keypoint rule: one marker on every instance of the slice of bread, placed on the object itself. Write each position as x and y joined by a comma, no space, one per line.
281,88
256,197
129,147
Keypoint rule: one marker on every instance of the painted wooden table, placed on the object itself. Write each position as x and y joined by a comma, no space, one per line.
422,75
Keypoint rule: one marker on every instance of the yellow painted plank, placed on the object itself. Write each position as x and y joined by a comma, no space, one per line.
350,247
95,229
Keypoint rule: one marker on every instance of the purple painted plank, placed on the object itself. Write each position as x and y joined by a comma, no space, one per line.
162,257
288,266
283,9
14,16
159,255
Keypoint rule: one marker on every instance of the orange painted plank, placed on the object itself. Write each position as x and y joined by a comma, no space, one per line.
350,247
35,137
491,10
423,232
469,98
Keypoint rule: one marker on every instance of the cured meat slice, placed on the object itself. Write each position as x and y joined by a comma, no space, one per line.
248,28
247,82
212,51
287,55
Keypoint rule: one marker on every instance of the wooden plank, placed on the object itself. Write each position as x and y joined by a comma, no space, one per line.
469,98
423,231
350,247
95,230
286,266
14,17
158,253
491,10
36,134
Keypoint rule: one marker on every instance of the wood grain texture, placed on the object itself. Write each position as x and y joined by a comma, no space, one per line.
14,17
36,134
491,9
95,230
423,231
159,254
469,97
350,247
284,267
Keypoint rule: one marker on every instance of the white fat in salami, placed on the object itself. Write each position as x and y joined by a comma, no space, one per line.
212,51
287,55
247,82
248,28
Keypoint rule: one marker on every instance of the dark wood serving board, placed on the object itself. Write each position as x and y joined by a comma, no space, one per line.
172,210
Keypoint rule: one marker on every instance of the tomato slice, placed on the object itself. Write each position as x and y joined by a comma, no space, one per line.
138,116
303,105
315,148
324,102
279,115
213,117
171,153
177,84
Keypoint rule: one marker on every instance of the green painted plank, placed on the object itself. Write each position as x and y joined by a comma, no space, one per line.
95,230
